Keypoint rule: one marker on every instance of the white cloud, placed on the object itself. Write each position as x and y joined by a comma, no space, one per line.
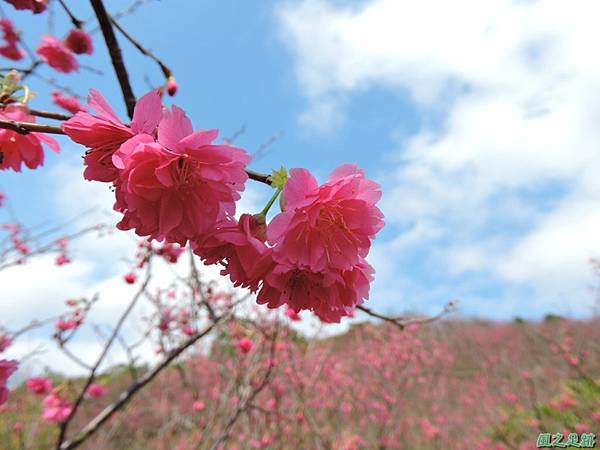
517,84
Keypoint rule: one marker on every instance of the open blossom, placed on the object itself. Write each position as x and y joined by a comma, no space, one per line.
56,408
329,226
67,103
54,52
331,295
9,49
37,6
234,244
180,186
7,368
103,132
97,390
39,386
16,148
78,41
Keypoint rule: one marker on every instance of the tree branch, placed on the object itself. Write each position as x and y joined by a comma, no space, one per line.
94,369
115,54
144,51
93,426
27,127
402,322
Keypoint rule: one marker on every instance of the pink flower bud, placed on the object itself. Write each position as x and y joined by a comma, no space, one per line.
171,86
130,278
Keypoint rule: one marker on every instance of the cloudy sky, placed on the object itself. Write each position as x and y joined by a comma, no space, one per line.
478,118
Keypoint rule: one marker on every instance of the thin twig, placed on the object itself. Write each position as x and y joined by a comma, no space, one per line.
49,114
402,322
144,51
74,20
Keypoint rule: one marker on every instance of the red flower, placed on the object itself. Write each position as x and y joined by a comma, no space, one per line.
57,55
78,41
70,104
10,49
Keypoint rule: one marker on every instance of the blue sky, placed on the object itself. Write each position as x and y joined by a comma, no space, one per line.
481,127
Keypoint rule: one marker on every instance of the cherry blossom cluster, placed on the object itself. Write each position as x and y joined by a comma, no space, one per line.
60,54
176,185
10,49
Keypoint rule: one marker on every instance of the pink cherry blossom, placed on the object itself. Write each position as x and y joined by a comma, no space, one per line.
180,187
37,6
7,368
39,386
67,103
103,133
64,325
331,295
61,260
79,42
97,390
10,36
54,52
235,245
56,408
329,226
16,148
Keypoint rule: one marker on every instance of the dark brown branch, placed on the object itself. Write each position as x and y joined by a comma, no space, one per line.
115,54
49,114
402,322
144,51
93,426
27,127
260,177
